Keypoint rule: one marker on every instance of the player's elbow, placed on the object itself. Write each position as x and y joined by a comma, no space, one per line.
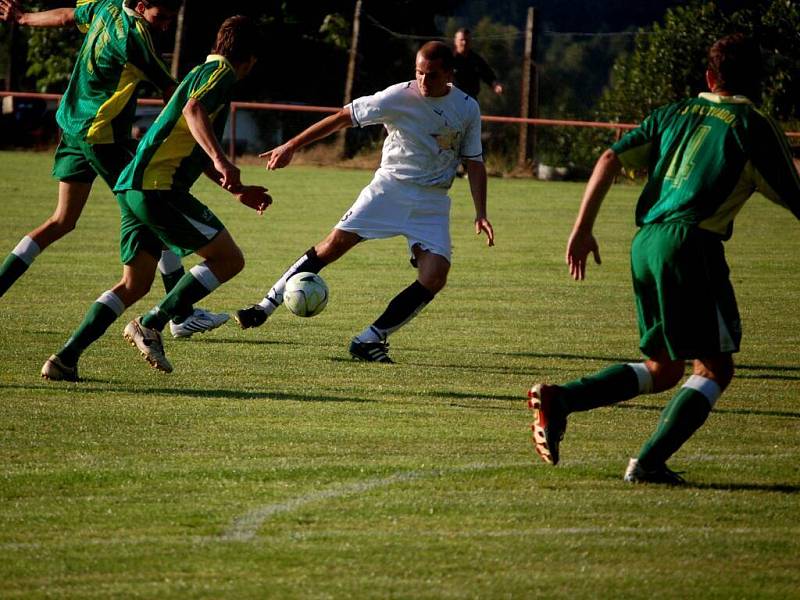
192,109
67,17
609,162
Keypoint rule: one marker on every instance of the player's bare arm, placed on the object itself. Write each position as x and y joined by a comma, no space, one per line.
203,132
11,12
282,155
581,240
476,173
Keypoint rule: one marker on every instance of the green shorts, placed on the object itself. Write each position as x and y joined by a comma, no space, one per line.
150,220
684,298
76,160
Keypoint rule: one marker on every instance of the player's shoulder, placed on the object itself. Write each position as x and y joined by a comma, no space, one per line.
404,88
463,101
762,128
109,13
673,108
215,67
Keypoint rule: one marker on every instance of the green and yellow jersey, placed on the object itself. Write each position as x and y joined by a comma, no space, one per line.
117,54
705,157
168,157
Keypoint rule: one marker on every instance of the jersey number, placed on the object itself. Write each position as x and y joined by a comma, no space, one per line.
683,161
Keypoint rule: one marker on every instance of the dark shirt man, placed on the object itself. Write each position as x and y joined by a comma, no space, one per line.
469,68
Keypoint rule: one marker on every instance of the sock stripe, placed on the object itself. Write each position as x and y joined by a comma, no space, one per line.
205,276
27,250
644,376
708,387
169,262
112,301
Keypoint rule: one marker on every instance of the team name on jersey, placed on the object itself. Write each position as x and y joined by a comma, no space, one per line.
710,111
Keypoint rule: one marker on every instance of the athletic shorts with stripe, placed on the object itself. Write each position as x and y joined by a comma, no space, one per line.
76,160
150,219
388,207
684,298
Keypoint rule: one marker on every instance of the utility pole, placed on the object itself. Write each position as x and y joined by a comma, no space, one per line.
12,30
179,31
351,68
525,94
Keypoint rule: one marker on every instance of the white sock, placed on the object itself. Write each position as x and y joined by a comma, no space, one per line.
371,335
205,276
269,305
169,262
708,387
644,376
112,301
27,250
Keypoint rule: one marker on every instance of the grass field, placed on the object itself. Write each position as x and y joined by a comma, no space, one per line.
270,465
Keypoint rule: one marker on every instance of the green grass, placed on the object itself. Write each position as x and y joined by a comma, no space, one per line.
271,465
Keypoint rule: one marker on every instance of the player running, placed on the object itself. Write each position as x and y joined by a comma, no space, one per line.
705,157
431,126
95,116
157,208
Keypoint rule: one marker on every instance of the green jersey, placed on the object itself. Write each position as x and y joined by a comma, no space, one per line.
168,157
705,157
117,54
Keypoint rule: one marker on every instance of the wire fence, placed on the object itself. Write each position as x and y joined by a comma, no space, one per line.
617,128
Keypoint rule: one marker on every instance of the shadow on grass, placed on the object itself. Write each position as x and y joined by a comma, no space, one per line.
613,359
253,342
533,372
721,411
619,359
779,488
224,394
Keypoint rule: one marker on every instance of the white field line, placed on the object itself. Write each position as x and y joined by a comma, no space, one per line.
244,528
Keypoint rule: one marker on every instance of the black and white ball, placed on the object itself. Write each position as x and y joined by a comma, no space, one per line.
306,294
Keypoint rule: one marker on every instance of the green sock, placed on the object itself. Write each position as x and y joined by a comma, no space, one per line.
177,304
171,279
681,417
609,386
12,269
95,323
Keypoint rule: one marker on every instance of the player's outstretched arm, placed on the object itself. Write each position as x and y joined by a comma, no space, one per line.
280,157
476,173
11,12
581,241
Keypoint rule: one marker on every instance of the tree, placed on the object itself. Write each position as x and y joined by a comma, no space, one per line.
669,62
51,53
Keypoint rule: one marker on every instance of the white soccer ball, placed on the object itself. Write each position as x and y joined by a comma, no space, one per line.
306,294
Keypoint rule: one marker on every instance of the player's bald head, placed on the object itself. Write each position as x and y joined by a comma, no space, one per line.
437,51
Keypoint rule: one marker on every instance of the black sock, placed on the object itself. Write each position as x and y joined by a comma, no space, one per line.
403,307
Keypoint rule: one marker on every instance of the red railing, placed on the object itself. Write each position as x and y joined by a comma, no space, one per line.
235,106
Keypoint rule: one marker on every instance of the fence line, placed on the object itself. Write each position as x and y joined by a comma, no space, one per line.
308,108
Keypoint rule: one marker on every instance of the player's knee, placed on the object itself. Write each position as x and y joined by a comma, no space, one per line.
719,369
434,282
61,225
237,262
234,262
666,374
133,288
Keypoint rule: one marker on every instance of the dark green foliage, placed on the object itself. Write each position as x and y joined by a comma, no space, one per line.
51,56
670,62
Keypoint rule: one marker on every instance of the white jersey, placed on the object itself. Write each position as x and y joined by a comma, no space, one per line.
427,137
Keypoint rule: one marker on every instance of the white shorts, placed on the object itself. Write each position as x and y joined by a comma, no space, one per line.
388,207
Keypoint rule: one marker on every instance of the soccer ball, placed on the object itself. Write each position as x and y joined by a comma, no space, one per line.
306,294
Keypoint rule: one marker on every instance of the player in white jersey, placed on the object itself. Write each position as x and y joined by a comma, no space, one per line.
432,127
